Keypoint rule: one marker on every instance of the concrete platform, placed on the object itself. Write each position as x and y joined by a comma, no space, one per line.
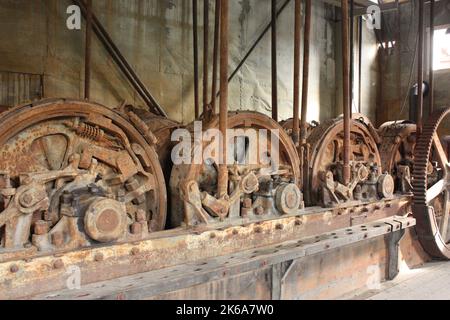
430,282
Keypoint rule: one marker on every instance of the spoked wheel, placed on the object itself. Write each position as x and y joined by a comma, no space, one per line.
431,187
255,189
75,174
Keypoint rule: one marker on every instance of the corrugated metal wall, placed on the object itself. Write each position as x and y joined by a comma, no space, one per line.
17,88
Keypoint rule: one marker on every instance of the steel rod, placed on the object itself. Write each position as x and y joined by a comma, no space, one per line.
431,56
205,53
223,117
420,69
196,70
274,62
215,56
352,54
306,53
346,89
360,54
121,62
297,57
88,51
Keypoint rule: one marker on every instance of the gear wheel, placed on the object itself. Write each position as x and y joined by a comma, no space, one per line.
433,229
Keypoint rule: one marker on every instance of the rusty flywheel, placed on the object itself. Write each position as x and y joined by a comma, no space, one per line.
431,185
75,174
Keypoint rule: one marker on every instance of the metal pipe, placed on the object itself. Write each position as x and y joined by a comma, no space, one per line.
196,72
346,88
360,53
215,55
121,62
297,33
431,56
304,118
352,54
420,69
88,51
205,53
274,62
223,117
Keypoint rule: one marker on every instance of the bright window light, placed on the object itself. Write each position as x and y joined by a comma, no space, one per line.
441,49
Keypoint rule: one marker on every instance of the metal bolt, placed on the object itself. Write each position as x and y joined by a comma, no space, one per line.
134,251
212,235
41,227
14,268
58,264
136,228
279,226
235,232
248,203
260,211
298,222
258,230
99,257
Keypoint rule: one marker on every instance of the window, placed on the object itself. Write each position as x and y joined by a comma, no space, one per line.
441,49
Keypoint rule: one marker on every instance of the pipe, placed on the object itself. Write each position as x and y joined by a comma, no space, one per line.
304,118
297,32
420,69
121,62
346,88
215,55
274,62
352,54
205,53
196,72
360,53
223,116
88,52
431,56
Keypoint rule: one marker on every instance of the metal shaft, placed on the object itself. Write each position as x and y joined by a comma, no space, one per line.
223,120
215,56
305,88
205,53
88,51
431,56
297,33
420,69
346,88
274,62
196,72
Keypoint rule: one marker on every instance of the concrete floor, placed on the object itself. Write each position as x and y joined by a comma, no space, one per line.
430,282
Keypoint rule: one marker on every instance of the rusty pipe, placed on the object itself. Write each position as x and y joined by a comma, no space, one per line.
431,56
420,69
274,62
223,115
297,56
215,56
205,53
196,72
305,84
88,51
346,89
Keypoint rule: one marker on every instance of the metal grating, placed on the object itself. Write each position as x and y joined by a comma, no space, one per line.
17,88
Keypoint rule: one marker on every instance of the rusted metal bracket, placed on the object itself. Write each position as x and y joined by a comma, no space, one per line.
393,246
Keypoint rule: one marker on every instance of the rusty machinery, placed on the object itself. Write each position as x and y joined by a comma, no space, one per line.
74,174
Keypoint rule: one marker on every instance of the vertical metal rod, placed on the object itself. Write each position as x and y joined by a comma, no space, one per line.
346,88
223,117
205,53
431,56
420,69
304,118
88,51
297,56
196,72
216,56
352,54
360,53
274,62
